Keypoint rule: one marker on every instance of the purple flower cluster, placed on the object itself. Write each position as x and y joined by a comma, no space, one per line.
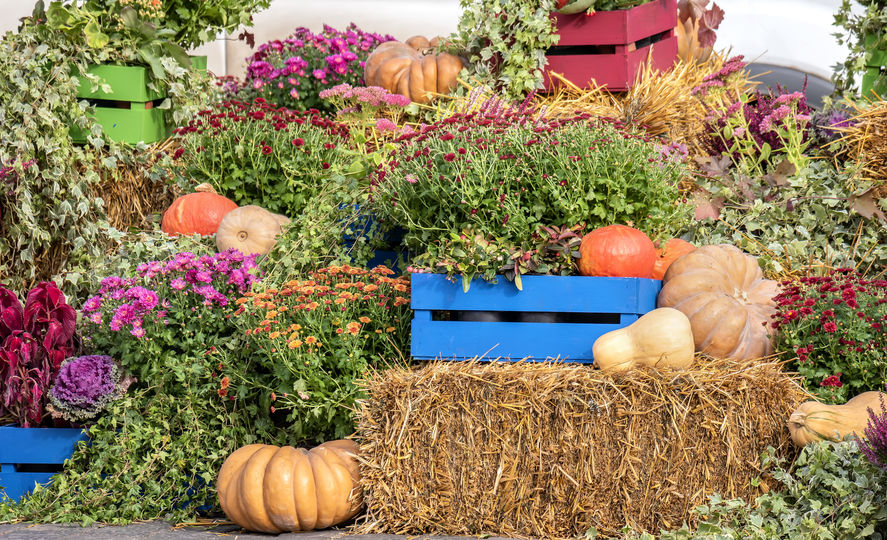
84,386
292,72
763,113
372,96
719,78
213,280
827,124
874,446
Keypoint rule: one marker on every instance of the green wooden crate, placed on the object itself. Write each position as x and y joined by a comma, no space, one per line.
128,83
198,63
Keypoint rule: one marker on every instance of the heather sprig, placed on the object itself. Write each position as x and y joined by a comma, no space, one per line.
836,325
874,445
167,309
257,153
294,71
84,387
502,174
313,338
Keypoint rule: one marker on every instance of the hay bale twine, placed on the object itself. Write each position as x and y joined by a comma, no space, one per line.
550,450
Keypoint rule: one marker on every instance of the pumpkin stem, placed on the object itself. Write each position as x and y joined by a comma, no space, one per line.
205,188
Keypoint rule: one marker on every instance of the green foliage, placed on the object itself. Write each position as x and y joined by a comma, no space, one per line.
864,34
830,492
195,23
794,222
52,225
256,153
504,177
312,339
506,41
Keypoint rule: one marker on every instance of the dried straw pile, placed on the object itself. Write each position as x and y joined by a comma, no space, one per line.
130,196
866,141
548,450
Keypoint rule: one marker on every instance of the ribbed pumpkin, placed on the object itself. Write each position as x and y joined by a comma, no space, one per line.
616,251
814,421
668,253
196,213
724,294
401,69
276,489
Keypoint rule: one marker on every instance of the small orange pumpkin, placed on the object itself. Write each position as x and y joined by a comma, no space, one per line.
616,251
668,253
196,213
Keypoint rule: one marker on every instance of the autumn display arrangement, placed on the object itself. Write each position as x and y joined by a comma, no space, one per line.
445,285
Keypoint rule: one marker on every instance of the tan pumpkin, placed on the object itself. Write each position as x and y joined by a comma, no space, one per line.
401,69
659,338
815,421
724,294
250,229
276,489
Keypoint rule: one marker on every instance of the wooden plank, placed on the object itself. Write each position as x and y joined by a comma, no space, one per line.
515,341
616,27
38,445
555,294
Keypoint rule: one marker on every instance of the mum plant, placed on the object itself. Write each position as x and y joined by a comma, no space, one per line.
504,174
34,340
312,339
294,71
258,153
836,325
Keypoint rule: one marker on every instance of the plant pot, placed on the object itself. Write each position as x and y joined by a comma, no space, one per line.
552,317
608,48
31,456
128,113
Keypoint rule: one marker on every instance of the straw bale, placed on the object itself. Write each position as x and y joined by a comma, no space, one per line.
548,450
866,142
131,197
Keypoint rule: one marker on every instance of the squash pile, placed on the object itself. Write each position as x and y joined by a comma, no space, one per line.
406,69
275,489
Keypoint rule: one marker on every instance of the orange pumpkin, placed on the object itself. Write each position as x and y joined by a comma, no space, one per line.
196,213
616,251
402,69
668,253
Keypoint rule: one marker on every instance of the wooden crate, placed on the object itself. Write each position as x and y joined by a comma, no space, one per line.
31,456
609,47
577,309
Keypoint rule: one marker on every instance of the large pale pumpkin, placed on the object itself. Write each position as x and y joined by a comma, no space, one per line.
814,421
196,213
660,338
249,229
276,489
401,69
724,294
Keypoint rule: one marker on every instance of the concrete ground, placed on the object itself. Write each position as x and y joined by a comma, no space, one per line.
155,530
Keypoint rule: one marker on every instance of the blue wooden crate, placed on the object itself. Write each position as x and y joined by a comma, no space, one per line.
30,456
582,308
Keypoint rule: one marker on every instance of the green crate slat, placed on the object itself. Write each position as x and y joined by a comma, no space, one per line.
128,83
127,125
198,63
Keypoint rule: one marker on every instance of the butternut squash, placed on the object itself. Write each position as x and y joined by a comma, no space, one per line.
662,337
814,421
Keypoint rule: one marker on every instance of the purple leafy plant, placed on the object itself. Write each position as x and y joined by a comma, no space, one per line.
84,386
34,340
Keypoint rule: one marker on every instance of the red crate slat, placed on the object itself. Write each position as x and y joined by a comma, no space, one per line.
617,27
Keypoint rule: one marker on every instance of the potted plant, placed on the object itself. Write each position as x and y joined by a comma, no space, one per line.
501,193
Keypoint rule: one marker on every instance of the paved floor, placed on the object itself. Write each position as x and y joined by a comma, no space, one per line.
155,530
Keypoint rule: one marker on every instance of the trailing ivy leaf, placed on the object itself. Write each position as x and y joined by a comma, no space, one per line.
95,38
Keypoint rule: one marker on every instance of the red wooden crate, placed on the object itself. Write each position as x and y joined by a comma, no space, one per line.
609,47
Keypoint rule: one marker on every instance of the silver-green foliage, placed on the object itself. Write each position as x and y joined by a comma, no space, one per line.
810,218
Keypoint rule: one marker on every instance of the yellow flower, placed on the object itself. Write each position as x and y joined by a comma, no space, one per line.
364,320
400,287
340,300
274,335
295,344
271,314
353,328
312,306
310,340
389,329
295,327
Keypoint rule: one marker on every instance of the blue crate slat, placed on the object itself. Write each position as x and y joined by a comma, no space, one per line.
628,298
32,446
516,341
558,294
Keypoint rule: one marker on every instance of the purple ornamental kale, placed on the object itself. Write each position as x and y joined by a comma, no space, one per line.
84,387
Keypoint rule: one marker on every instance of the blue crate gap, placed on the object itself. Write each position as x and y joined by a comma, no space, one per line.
554,317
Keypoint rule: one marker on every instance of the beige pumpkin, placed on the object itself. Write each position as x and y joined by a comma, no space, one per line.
402,69
814,421
276,489
250,229
659,338
724,294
